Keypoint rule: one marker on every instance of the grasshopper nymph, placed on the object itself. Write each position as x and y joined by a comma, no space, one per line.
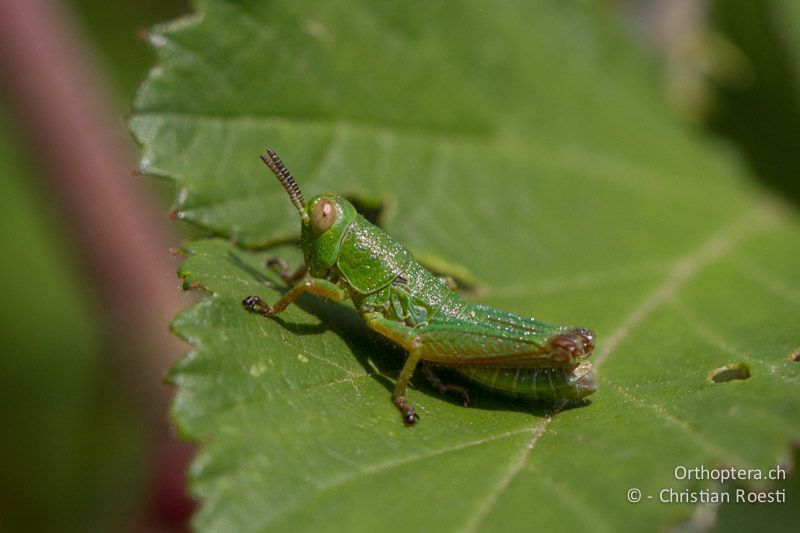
348,257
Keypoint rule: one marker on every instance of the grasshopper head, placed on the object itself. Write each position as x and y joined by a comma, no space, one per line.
327,219
324,218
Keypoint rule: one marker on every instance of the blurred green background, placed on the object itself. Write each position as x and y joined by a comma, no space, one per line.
74,449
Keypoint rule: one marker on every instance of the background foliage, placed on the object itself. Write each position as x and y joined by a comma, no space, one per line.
527,142
73,454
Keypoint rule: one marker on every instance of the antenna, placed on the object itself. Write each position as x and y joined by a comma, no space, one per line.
277,167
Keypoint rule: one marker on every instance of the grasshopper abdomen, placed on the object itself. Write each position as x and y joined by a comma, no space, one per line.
540,384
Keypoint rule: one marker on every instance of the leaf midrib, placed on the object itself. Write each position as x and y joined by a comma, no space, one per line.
709,252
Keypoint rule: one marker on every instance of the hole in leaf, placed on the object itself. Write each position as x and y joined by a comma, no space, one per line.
729,373
372,209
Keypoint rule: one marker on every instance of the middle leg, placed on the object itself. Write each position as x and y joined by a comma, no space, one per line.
406,337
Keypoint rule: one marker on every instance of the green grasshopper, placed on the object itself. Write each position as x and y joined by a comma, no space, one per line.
348,257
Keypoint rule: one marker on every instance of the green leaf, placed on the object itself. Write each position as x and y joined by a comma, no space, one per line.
529,143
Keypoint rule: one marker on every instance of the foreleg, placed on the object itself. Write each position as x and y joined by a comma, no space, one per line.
319,287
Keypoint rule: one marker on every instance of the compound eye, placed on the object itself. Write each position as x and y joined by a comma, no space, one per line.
323,216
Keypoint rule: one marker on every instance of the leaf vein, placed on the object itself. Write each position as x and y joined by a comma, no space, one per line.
491,499
710,446
709,252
